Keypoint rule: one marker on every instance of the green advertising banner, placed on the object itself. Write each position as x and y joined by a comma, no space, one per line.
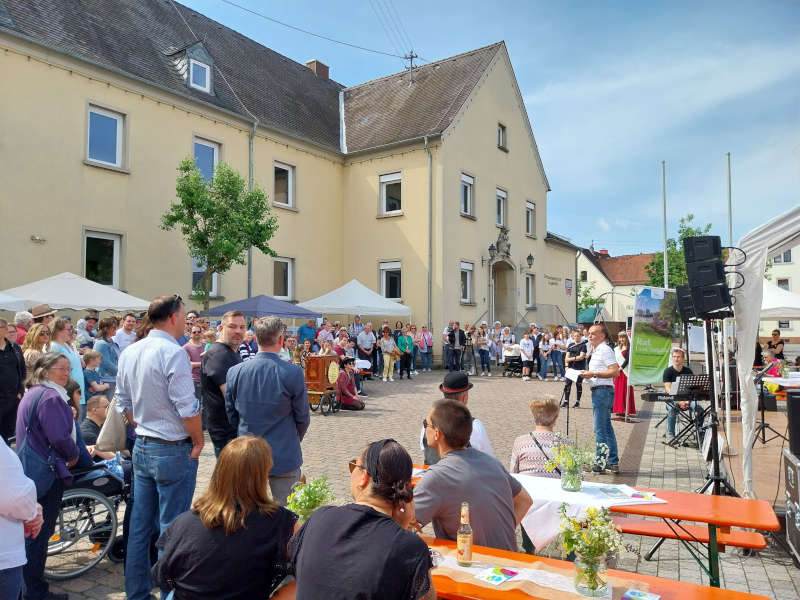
654,319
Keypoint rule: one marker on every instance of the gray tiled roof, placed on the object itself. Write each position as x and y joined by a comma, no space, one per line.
138,37
393,109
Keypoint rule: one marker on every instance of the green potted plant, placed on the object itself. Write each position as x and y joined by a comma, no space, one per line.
591,536
308,497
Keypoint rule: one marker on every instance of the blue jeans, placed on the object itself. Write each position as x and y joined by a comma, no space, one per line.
11,582
425,359
546,362
164,480
484,352
602,402
34,584
455,359
447,356
414,353
672,416
558,363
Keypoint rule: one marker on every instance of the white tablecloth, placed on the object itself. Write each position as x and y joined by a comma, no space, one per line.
542,520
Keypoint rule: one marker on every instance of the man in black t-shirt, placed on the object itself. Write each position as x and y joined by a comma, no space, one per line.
220,357
96,412
670,375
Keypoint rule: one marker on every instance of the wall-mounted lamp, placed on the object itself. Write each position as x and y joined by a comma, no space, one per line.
530,260
37,239
492,254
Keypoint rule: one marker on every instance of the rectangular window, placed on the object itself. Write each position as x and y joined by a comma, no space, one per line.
198,272
284,184
784,324
206,157
530,290
105,136
501,198
199,75
283,278
501,136
466,281
466,194
584,276
391,280
783,284
530,219
391,193
787,256
101,262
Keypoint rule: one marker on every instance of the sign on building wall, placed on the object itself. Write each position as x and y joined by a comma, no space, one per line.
568,287
653,325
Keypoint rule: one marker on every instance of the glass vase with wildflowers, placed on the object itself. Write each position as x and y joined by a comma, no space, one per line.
572,459
308,497
591,536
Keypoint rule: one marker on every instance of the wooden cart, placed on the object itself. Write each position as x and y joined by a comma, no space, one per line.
321,373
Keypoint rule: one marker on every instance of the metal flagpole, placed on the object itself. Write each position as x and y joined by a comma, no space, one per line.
725,361
664,218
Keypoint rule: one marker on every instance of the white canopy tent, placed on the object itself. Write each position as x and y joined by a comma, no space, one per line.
774,236
67,290
13,304
354,298
778,304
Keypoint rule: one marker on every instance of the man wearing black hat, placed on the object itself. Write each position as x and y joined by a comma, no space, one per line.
456,386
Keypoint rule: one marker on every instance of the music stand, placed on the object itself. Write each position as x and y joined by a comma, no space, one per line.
696,388
763,427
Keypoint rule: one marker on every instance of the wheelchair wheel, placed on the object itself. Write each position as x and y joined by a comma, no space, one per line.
85,531
314,401
325,405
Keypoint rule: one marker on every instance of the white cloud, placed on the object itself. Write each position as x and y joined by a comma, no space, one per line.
603,224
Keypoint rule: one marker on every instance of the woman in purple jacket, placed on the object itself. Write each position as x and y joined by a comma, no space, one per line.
54,428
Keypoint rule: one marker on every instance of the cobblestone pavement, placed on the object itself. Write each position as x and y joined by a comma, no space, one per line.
396,410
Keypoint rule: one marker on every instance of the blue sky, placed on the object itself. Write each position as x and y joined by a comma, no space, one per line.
611,88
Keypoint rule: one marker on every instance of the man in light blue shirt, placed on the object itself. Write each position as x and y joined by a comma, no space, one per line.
156,392
267,397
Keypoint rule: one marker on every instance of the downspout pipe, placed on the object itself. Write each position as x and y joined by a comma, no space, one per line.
250,186
430,231
575,286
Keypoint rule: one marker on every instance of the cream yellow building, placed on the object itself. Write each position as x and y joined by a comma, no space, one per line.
617,279
785,273
403,182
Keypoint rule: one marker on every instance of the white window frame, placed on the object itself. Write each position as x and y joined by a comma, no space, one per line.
788,283
784,325
210,144
468,268
385,267
289,279
290,186
117,239
197,267
207,87
584,276
383,181
502,136
501,200
530,290
468,183
530,218
120,119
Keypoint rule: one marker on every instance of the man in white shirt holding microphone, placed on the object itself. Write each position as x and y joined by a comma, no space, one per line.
603,368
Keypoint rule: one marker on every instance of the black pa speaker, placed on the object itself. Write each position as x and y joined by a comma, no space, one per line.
793,417
703,247
685,303
706,272
709,298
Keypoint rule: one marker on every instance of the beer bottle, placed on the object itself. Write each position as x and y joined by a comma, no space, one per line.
464,538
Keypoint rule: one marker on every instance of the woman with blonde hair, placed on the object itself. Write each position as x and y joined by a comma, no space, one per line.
35,345
233,543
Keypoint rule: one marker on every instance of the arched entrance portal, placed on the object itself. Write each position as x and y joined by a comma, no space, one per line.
503,293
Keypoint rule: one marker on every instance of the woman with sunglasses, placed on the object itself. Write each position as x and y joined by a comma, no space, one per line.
365,549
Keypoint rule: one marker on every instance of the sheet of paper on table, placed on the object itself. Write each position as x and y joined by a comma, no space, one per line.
572,374
417,472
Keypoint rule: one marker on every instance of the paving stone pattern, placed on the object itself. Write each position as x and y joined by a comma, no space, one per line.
396,410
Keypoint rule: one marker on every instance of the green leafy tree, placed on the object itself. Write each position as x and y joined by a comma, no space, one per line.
586,298
220,219
677,262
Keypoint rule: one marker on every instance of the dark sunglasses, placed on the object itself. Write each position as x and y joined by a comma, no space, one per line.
353,465
425,424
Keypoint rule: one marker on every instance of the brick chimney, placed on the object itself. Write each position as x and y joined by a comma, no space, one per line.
319,69
603,252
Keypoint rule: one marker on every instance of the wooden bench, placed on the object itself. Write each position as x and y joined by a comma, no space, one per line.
691,533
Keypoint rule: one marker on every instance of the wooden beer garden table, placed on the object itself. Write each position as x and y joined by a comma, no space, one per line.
666,588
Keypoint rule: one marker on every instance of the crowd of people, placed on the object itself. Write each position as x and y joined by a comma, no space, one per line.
173,377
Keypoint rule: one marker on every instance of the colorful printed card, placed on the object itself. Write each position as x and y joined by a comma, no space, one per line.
496,575
639,595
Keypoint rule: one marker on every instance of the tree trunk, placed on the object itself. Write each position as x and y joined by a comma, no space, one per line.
206,289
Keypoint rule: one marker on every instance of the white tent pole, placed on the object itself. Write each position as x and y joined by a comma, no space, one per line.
725,365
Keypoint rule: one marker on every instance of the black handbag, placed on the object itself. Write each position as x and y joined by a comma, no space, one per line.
42,471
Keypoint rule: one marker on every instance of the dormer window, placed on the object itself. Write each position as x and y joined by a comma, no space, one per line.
199,75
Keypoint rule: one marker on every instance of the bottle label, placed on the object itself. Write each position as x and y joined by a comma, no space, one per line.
464,548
